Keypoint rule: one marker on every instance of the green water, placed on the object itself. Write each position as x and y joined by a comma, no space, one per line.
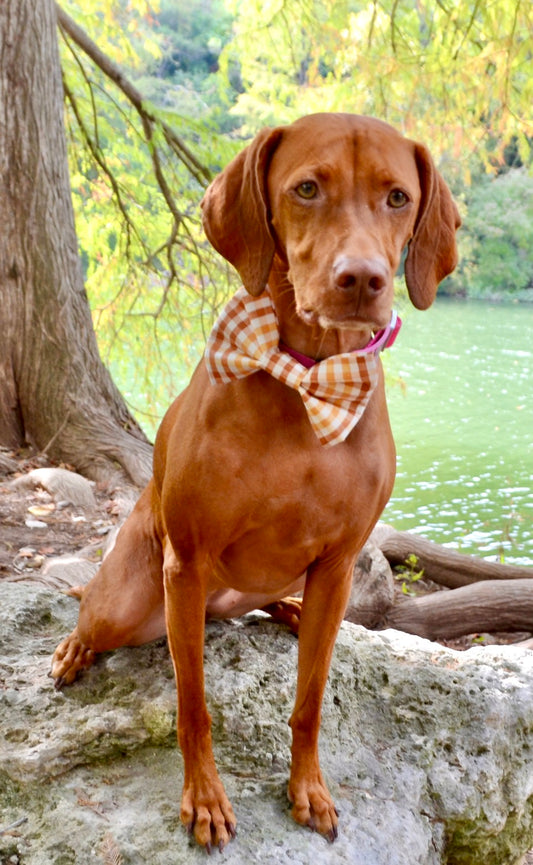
463,425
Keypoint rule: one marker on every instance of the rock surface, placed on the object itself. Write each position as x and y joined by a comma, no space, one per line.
428,752
63,485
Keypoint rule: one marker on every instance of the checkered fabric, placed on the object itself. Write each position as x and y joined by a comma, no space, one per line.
335,391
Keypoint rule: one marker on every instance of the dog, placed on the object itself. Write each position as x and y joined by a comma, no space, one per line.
273,466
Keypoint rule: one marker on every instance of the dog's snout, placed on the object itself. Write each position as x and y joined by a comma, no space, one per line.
363,276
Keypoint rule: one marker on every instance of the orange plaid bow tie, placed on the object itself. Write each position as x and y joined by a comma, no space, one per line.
335,391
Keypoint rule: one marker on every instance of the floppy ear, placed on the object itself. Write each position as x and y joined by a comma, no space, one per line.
235,212
432,252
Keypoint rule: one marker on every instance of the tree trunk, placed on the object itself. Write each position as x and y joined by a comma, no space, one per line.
55,392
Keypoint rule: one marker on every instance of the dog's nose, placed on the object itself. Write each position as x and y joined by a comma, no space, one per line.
363,276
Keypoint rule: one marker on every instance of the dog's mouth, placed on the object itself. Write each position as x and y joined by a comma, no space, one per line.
348,321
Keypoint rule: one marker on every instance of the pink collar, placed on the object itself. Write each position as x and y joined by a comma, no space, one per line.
384,338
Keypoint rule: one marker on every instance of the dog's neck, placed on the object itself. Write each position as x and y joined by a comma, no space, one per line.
313,341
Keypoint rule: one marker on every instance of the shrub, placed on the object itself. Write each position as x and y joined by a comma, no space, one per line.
496,252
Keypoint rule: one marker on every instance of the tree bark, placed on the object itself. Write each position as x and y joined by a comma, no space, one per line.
490,606
440,564
55,393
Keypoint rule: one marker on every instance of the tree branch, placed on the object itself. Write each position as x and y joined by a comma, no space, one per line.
98,157
113,72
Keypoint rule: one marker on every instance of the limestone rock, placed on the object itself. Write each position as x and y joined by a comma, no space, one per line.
65,572
427,752
62,485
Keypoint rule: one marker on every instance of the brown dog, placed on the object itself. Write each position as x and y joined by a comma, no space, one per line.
252,497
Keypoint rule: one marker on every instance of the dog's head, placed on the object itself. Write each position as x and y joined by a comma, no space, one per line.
335,198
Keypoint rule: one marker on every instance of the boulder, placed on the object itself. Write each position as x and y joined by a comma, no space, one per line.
427,751
66,572
63,485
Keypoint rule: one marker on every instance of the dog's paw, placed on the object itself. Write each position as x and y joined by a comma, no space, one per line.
313,807
70,657
207,814
287,611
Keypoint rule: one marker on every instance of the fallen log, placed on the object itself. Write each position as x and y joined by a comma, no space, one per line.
440,564
491,605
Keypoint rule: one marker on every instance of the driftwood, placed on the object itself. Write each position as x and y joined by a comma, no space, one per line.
488,606
485,596
442,565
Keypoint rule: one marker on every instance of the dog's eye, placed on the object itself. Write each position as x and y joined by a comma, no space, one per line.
397,198
307,189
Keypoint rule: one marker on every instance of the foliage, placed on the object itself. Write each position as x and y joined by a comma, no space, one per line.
409,573
124,28
194,35
183,77
496,252
455,73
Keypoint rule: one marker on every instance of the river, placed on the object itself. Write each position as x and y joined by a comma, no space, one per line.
462,418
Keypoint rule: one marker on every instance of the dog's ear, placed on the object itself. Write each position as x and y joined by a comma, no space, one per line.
432,252
235,212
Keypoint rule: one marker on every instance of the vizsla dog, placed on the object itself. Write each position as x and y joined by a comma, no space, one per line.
273,466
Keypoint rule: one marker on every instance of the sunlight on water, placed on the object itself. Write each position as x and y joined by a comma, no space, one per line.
463,425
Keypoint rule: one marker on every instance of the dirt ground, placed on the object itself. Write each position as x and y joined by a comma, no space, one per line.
34,528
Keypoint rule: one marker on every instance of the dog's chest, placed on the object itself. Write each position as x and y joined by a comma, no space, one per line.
258,489
305,511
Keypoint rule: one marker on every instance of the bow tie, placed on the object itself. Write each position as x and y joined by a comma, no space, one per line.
335,391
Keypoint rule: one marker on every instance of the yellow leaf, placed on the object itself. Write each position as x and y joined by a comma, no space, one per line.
41,510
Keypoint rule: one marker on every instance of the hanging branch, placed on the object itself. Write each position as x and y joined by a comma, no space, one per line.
99,158
393,27
148,117
160,141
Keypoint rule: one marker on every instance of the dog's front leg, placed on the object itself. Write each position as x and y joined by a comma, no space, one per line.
326,594
205,808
